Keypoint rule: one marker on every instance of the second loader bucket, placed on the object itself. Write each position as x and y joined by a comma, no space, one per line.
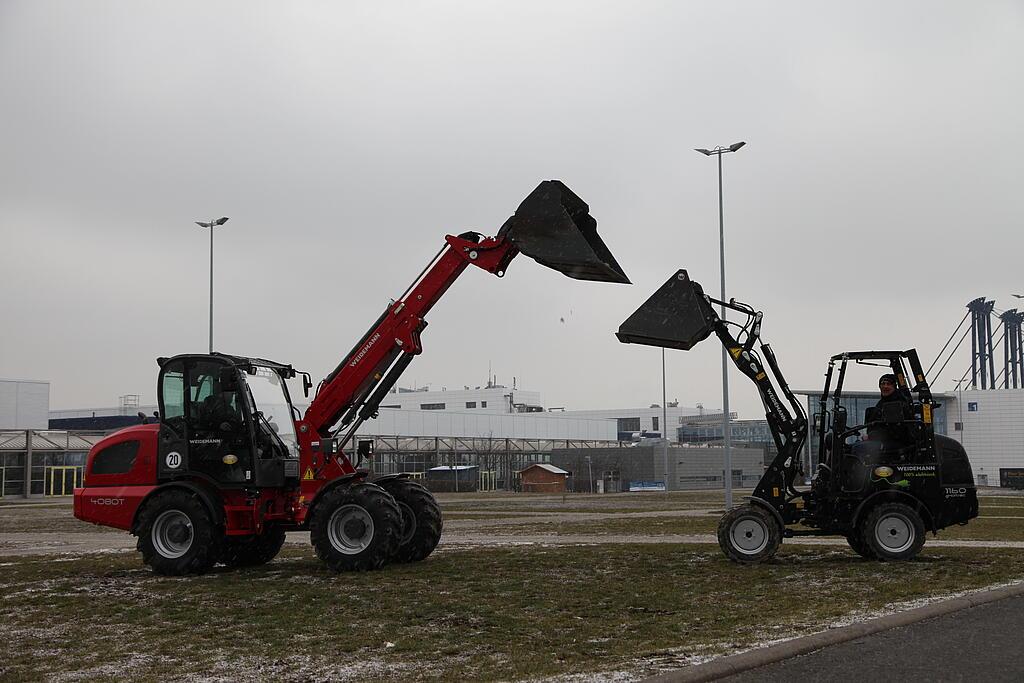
554,227
677,316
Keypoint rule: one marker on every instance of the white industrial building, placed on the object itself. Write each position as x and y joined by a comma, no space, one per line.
645,421
467,423
492,411
493,398
990,425
24,404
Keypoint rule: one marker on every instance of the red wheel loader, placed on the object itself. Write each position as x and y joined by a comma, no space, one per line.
881,494
231,465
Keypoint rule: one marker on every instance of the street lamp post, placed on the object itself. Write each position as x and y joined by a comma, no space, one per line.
664,418
726,435
211,225
590,466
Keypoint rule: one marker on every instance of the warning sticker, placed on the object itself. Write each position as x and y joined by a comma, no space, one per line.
735,352
308,476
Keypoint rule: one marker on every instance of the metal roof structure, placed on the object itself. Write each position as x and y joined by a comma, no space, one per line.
47,440
549,468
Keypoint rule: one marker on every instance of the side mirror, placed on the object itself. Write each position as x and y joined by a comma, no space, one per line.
307,384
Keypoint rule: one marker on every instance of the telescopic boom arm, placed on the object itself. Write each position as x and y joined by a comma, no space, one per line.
353,391
552,225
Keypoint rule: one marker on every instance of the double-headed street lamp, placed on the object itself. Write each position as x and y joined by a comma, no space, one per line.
211,225
726,436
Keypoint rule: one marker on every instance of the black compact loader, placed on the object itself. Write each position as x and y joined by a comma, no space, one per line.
882,494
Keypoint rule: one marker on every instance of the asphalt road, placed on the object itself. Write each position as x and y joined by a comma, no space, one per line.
982,643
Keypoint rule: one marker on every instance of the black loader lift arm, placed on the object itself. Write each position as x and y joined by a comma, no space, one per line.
679,315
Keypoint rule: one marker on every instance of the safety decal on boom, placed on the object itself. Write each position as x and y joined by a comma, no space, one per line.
308,476
735,352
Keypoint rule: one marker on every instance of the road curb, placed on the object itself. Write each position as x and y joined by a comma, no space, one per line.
734,664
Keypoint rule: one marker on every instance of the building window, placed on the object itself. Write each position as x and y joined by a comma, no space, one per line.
958,426
629,424
431,406
483,404
471,404
394,407
654,423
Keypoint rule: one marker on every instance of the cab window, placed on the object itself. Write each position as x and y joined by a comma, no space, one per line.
173,393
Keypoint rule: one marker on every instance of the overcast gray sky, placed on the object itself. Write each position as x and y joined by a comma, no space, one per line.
880,189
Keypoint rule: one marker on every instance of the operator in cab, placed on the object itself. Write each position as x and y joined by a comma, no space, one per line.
890,436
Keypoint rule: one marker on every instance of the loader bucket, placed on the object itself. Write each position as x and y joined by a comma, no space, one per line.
554,227
675,317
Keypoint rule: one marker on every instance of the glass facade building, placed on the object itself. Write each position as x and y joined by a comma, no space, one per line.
710,431
42,462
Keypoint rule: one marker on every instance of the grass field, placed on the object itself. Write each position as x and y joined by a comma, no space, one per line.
684,526
983,528
515,612
493,614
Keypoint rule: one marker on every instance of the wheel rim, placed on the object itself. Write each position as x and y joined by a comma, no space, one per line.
894,532
172,534
350,529
749,535
408,523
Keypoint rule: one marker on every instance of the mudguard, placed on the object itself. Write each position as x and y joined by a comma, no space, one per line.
760,502
209,498
894,497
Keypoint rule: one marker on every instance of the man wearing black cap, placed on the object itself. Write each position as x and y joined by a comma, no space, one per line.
890,435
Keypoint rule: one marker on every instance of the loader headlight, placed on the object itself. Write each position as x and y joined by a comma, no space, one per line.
883,472
229,459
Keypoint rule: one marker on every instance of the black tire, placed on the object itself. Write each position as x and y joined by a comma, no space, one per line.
856,541
356,528
177,535
893,531
251,551
748,534
421,519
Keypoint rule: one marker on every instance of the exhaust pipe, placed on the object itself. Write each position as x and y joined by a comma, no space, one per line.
554,227
677,316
